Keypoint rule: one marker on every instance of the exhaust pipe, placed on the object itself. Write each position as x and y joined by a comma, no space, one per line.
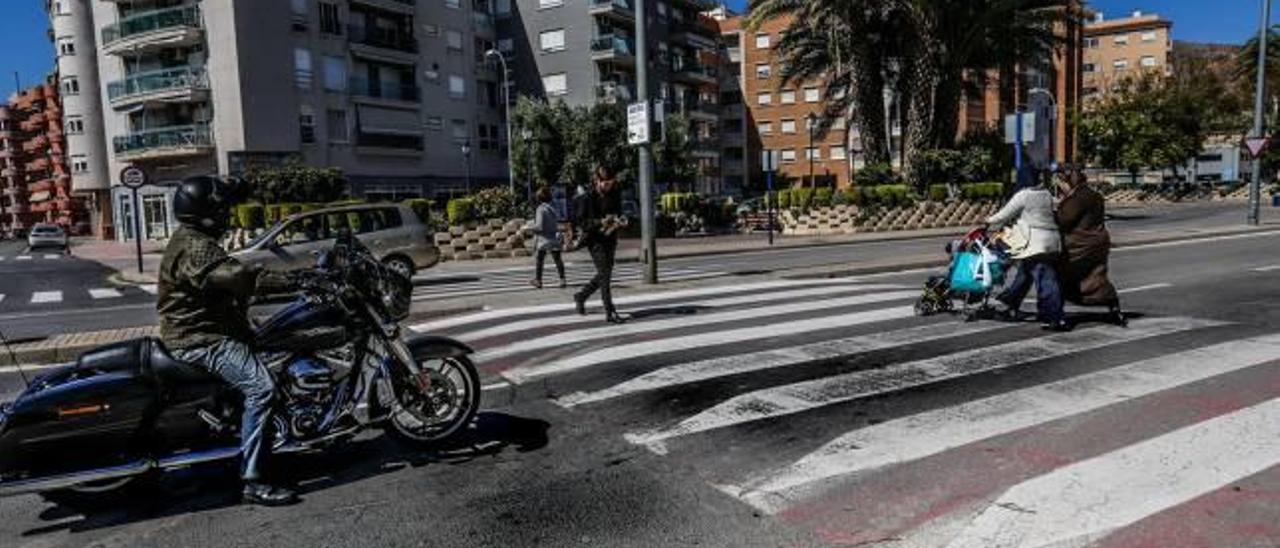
65,481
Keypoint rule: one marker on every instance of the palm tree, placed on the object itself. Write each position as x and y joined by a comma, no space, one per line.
1246,73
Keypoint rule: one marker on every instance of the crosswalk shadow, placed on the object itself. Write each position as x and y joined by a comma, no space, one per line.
676,310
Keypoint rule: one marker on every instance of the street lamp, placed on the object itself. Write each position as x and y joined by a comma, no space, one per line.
466,156
506,100
812,119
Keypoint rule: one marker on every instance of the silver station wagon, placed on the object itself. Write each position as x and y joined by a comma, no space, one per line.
393,232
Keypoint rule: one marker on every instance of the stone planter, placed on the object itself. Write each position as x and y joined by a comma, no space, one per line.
491,239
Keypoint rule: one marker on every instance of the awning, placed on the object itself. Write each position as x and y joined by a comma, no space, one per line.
39,196
386,121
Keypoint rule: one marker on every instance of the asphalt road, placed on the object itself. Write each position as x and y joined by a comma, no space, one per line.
804,413
77,297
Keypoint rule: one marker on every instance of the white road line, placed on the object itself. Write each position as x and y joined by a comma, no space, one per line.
695,320
488,315
1226,237
24,257
105,293
691,372
149,288
688,342
1266,268
788,399
42,297
1083,502
537,323
52,256
932,432
2,258
1144,288
1,297
473,288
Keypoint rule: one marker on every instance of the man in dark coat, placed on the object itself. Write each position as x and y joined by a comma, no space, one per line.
1086,246
598,217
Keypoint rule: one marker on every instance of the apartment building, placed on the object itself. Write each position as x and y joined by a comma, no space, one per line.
75,48
34,175
1118,48
396,93
583,52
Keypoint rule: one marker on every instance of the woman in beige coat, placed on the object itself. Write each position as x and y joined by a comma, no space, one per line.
1029,215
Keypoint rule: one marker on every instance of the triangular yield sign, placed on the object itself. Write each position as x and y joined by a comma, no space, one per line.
1257,145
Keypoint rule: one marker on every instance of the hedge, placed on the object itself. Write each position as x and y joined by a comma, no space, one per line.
459,211
938,193
784,199
888,195
250,216
421,207
822,197
802,198
672,202
983,191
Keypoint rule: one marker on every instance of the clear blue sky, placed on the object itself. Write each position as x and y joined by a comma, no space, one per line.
25,48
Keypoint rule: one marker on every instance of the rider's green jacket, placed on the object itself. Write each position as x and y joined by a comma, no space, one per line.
204,293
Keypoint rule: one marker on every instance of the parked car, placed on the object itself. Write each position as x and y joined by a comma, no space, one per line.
393,232
47,235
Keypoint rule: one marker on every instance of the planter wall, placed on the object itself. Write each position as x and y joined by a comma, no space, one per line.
846,219
493,239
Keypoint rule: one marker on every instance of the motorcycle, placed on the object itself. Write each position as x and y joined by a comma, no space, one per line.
340,358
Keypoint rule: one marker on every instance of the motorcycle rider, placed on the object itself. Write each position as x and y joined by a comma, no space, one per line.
203,305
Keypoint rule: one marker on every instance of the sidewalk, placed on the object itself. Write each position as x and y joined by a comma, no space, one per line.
121,257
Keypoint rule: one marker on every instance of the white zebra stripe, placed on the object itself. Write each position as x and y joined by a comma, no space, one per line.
1083,502
613,331
45,297
795,398
149,288
105,293
933,432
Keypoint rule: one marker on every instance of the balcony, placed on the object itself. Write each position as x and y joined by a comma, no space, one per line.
373,91
16,209
164,142
8,172
691,71
616,92
393,46
699,110
149,30
175,85
483,25
618,10
398,6
37,165
42,185
35,144
613,48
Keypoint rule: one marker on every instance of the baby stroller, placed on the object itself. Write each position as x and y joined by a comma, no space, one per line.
975,269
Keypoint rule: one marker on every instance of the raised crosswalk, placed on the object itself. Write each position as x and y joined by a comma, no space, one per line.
827,404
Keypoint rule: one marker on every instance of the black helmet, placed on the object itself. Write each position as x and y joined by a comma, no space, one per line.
204,202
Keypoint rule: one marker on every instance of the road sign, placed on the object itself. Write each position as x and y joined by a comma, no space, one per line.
769,160
133,177
638,123
1011,128
1257,145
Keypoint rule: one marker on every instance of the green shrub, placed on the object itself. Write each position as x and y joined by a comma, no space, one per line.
938,193
983,191
290,209
891,195
250,216
874,175
802,198
822,197
674,202
853,196
784,199
421,207
840,197
494,203
459,211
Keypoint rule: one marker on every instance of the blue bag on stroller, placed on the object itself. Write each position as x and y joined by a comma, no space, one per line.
976,271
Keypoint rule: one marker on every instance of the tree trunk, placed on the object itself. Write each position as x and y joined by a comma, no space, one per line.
869,109
920,71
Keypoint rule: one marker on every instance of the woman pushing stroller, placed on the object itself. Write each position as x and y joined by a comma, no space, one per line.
1033,241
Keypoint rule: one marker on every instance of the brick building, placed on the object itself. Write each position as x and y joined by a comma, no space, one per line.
34,173
1119,48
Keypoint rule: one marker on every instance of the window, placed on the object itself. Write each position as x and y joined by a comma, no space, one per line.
74,125
435,124
299,7
60,8
1149,36
814,153
458,130
788,155
1091,43
329,22
299,19
1090,67
811,95
662,9
1120,64
838,123
302,68
307,124
764,98
502,8
787,97
763,70
70,86
764,128
66,47
457,86
79,164
551,40
453,40
336,121
556,84
506,45
453,4
335,73
430,30
788,126
543,4
837,152
1122,39
1148,61
762,40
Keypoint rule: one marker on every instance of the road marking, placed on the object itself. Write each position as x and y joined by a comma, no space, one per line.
149,288
794,398
1080,503
1266,268
524,286
1145,288
52,256
691,372
932,432
695,320
500,313
105,293
42,297
519,375
538,323
1226,237
24,257
1,297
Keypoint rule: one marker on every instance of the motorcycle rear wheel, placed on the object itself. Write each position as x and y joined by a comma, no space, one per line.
449,403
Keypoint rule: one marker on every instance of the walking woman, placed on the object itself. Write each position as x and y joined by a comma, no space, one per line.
546,237
1034,243
598,218
1082,216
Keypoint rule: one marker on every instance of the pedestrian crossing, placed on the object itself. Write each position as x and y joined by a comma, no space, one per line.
828,405
32,257
53,297
491,282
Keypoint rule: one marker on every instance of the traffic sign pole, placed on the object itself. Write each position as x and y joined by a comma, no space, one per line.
135,178
648,232
1255,187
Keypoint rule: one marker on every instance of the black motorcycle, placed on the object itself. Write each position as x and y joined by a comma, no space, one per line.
341,361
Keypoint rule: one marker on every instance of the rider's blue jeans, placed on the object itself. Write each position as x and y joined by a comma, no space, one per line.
236,363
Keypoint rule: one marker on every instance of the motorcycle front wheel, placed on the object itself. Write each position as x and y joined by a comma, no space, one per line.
437,404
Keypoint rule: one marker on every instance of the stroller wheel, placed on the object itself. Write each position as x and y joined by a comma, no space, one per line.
922,309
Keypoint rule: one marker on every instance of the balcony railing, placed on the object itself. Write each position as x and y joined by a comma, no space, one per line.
374,89
482,22
623,8
392,39
183,78
151,21
173,137
612,44
691,67
615,91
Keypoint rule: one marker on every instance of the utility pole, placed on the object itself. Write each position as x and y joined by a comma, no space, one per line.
649,243
1255,188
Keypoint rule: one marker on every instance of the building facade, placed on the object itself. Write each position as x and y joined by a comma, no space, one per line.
396,93
584,52
75,48
34,172
1116,49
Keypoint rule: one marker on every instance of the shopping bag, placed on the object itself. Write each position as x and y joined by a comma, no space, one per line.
976,271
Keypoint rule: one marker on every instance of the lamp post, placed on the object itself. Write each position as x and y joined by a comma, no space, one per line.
506,104
466,157
810,120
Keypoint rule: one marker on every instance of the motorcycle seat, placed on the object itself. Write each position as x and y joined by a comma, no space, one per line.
168,369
